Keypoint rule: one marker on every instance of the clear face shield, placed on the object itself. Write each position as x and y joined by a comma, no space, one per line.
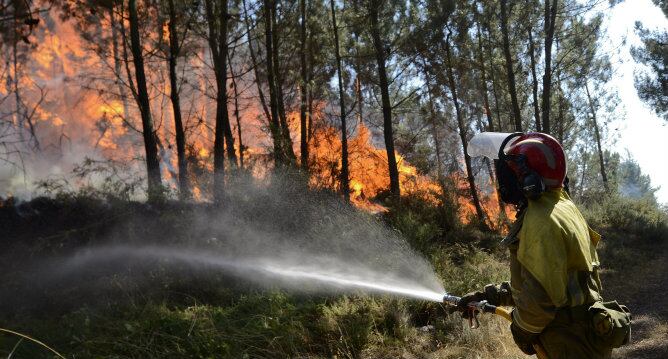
488,144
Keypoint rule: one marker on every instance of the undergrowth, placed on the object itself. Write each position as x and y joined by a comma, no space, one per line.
180,315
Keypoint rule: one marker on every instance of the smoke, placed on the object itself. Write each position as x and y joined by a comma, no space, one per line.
272,234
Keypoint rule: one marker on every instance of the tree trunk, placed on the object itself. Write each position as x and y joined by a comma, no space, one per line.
251,51
483,78
434,129
490,120
560,125
358,96
357,67
174,49
345,181
303,113
550,16
597,135
217,18
309,95
117,63
560,105
309,125
462,133
237,116
385,100
490,56
278,81
15,88
280,155
223,66
517,116
534,82
126,57
150,145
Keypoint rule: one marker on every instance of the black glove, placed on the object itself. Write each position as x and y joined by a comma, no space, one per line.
463,304
491,293
524,340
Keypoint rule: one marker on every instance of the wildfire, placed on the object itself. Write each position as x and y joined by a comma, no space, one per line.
103,125
368,174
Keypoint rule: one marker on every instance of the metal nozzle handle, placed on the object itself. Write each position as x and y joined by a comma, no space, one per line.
451,299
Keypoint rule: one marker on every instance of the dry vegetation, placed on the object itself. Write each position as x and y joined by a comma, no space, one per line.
177,315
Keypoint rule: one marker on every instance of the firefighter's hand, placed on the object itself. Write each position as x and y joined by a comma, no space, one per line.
524,340
463,304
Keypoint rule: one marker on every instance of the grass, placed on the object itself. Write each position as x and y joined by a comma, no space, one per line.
177,316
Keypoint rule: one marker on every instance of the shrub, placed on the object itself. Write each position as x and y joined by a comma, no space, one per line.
616,215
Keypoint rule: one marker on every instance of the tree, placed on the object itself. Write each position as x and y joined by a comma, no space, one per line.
652,84
463,133
303,110
17,24
517,115
150,145
597,137
255,65
388,134
534,79
173,54
589,72
345,181
283,153
217,18
632,182
237,115
549,20
279,80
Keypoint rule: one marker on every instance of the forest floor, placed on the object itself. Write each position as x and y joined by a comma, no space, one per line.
644,291
177,315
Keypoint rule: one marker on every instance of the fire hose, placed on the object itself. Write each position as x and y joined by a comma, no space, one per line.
474,308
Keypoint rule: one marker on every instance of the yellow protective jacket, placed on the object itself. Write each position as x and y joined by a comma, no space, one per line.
554,263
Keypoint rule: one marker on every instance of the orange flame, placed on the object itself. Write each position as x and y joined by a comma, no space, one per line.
102,124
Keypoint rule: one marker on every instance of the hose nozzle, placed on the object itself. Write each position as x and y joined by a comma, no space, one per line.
450,299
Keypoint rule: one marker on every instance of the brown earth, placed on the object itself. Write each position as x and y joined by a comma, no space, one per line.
643,290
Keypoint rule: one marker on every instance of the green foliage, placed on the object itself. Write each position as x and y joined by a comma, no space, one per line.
422,222
466,269
632,182
110,180
652,84
218,318
255,326
641,218
422,234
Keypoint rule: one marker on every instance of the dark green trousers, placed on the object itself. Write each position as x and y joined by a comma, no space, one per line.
572,338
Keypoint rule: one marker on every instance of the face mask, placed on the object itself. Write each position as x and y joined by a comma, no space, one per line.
509,188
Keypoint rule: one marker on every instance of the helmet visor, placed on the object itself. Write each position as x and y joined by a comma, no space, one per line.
487,144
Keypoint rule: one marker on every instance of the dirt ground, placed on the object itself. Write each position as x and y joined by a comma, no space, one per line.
644,291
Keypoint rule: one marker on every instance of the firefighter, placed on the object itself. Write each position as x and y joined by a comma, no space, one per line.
554,279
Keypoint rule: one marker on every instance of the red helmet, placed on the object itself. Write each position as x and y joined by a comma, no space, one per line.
544,155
